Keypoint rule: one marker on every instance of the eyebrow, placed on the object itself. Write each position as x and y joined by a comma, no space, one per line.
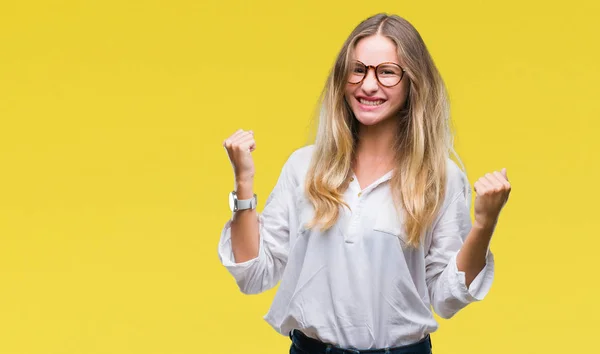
386,62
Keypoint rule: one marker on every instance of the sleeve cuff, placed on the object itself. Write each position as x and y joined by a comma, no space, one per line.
225,251
480,286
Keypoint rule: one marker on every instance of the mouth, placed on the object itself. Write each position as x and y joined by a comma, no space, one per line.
369,104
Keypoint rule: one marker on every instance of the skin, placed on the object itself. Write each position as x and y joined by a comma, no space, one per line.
376,133
244,225
492,191
374,158
377,127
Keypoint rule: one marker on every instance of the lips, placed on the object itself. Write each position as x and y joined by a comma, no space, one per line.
370,102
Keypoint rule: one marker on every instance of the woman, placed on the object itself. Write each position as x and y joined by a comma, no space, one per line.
369,228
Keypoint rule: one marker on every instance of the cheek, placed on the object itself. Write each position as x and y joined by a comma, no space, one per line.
350,101
349,93
398,97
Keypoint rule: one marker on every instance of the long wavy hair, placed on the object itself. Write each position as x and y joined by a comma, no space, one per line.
422,144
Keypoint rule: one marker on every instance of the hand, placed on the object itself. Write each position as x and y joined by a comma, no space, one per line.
492,191
239,147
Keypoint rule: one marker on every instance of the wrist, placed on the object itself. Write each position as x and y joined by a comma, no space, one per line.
485,225
244,189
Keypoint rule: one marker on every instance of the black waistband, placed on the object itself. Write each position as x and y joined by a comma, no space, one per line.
314,346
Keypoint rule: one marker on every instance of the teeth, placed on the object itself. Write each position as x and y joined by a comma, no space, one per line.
370,103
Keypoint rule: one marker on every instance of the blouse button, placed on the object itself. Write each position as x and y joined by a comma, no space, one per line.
359,194
352,179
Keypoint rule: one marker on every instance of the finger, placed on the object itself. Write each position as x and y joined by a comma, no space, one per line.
478,188
245,133
481,187
497,184
233,137
252,146
237,138
246,143
227,142
239,135
500,177
485,184
244,138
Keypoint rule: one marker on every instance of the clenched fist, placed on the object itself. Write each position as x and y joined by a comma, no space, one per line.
492,193
239,147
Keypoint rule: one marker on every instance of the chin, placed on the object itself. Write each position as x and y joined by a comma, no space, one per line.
370,119
367,121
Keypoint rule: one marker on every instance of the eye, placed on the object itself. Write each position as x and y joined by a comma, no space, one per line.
359,69
388,70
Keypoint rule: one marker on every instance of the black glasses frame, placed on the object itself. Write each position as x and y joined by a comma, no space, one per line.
368,67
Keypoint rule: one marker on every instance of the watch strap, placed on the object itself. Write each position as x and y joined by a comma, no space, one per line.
243,204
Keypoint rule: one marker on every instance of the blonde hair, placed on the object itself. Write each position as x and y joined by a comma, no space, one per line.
421,147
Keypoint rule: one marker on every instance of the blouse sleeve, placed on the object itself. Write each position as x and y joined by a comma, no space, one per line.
264,272
446,284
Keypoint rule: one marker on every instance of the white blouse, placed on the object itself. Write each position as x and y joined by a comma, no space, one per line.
357,285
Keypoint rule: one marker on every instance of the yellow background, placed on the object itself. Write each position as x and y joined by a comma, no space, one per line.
114,183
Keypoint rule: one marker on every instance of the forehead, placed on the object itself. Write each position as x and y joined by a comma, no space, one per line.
375,49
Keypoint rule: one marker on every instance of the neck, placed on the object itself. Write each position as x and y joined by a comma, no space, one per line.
375,142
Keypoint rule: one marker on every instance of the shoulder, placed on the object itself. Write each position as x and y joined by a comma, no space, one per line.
457,182
302,156
298,162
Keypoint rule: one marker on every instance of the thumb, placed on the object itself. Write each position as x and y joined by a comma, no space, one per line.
504,173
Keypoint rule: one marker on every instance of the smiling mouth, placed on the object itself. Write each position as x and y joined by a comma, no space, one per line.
370,103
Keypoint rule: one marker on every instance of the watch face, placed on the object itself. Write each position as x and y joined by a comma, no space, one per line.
232,201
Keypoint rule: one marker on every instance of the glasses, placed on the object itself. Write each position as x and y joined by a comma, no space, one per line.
387,74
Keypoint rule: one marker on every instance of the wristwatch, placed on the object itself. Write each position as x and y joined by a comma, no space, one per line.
236,204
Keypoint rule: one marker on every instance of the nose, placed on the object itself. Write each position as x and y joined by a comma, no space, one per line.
370,83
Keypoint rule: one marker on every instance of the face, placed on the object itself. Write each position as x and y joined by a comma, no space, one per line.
371,102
